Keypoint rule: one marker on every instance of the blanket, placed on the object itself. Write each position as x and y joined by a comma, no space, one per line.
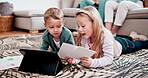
133,65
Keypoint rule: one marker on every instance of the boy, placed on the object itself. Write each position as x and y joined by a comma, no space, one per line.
55,33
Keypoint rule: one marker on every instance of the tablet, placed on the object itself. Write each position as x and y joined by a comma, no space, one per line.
42,62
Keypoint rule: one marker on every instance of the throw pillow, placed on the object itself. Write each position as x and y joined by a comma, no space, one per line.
6,9
127,0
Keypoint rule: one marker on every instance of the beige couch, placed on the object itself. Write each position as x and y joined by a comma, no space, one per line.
69,10
32,20
137,20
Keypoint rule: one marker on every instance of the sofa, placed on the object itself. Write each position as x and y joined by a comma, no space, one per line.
137,20
69,9
31,20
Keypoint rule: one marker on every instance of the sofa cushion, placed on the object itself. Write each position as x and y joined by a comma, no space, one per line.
69,12
67,4
29,13
138,13
34,23
76,3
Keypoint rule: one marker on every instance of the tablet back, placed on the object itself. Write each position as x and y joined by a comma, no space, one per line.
42,62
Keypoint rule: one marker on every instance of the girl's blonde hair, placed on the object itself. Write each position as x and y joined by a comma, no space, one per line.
54,13
93,14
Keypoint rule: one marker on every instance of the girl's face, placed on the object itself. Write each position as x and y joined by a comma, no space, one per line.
84,26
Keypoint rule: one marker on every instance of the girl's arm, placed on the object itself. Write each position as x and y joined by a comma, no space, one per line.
108,50
106,59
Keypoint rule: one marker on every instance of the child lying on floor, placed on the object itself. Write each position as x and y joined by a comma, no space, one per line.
93,35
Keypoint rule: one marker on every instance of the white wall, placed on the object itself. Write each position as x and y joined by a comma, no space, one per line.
33,4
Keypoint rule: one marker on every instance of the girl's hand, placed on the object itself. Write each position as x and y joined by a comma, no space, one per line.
86,61
70,60
62,58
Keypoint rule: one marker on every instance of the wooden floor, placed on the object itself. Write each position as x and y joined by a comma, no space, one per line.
15,33
12,33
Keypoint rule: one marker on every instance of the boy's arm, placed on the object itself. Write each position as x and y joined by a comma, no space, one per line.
45,45
71,39
67,36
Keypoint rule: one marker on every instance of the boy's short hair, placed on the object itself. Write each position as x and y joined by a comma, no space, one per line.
54,13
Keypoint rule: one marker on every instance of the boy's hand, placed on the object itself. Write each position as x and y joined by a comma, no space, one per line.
86,61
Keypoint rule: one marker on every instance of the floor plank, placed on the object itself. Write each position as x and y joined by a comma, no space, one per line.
12,33
16,32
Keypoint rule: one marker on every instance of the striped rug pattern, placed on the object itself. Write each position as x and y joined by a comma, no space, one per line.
133,65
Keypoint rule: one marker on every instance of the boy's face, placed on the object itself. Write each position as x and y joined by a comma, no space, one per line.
54,27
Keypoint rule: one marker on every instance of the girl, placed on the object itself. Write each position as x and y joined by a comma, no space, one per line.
93,35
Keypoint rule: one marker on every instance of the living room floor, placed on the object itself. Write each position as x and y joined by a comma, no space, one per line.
15,33
12,33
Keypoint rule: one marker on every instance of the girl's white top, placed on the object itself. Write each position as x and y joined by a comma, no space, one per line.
110,47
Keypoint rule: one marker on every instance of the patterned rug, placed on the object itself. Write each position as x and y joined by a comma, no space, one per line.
9,46
133,65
